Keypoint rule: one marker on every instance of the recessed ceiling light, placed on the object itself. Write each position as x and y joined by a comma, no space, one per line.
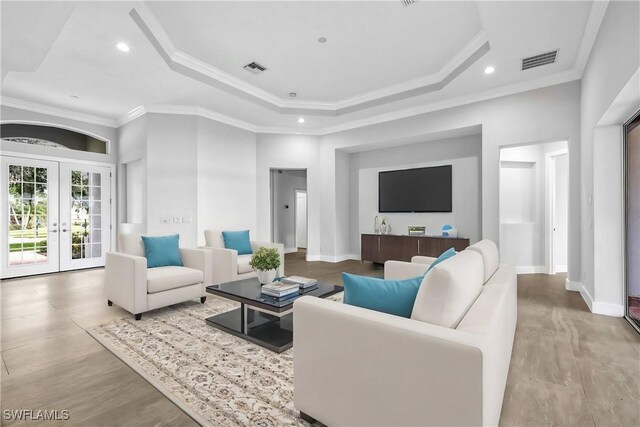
489,70
123,47
293,94
300,119
322,40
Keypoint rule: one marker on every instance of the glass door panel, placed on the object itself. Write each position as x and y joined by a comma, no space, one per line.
84,215
632,157
30,217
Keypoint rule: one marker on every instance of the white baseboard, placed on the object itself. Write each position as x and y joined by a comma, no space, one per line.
596,307
572,286
561,269
333,259
531,269
290,250
608,309
579,287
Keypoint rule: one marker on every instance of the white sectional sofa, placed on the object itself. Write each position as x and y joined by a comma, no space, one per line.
354,366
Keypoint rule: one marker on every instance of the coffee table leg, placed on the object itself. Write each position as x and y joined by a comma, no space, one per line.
243,318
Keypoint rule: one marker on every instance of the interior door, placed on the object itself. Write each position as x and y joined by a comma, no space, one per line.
85,215
29,214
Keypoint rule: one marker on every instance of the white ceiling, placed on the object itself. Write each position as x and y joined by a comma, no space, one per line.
371,47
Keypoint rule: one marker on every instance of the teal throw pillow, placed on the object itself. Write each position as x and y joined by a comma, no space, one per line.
238,240
162,251
444,255
388,296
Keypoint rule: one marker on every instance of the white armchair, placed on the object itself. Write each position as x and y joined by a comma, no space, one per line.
228,266
138,289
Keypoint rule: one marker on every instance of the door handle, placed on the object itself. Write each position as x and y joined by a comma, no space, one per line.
64,230
53,231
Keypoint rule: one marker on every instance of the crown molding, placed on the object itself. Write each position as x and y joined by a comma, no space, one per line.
56,111
185,64
141,110
568,76
596,16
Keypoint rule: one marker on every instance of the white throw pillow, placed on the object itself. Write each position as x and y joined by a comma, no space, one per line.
449,289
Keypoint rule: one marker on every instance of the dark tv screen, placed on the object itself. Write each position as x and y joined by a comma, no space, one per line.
415,190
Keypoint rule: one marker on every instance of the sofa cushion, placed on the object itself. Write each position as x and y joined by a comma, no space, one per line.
131,244
450,288
164,278
490,257
243,264
162,251
443,256
238,241
388,296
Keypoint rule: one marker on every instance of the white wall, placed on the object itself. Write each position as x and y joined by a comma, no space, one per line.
464,154
290,152
511,120
197,173
134,175
226,177
132,142
614,59
172,182
284,185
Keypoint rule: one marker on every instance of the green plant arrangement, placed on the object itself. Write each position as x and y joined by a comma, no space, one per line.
265,259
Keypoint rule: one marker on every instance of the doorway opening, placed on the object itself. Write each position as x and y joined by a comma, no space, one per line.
57,216
289,209
534,201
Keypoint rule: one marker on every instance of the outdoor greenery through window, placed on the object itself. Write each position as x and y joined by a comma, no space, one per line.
27,215
86,221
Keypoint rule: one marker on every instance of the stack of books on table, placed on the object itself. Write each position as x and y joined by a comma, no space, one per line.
280,290
302,282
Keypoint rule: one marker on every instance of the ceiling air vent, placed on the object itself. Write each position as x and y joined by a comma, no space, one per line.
408,2
539,60
255,68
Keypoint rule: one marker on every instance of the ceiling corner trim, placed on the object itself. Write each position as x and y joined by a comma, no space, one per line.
57,111
596,16
185,64
185,110
473,51
189,66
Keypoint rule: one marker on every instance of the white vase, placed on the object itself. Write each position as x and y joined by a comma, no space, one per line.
266,276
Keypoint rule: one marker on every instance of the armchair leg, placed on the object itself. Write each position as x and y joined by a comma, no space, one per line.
109,302
203,300
307,418
138,316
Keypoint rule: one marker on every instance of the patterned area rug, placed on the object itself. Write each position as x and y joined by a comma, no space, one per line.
216,378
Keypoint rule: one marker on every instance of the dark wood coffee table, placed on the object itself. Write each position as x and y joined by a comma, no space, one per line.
262,320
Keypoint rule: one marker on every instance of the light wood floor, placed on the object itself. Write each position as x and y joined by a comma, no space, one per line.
569,367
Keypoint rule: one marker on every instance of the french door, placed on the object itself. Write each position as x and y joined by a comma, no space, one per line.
56,216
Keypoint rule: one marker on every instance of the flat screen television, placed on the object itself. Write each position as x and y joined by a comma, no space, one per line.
415,190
